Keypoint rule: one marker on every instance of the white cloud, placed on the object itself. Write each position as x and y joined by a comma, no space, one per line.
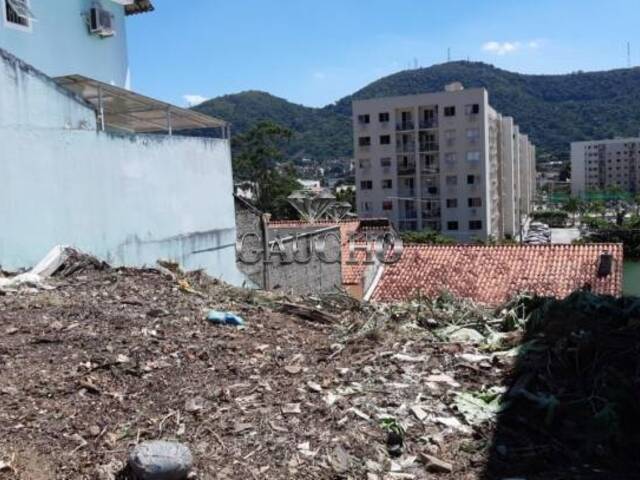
501,48
504,48
319,75
193,100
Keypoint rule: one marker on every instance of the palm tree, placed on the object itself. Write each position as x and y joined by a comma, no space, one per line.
572,207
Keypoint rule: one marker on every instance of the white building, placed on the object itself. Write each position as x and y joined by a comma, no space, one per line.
89,164
445,161
605,164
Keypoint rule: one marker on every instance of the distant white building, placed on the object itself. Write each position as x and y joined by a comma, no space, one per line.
605,164
443,161
313,185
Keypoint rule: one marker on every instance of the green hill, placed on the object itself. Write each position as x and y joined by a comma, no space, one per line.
553,109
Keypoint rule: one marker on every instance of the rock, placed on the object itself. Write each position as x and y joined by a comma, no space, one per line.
435,465
395,444
443,378
408,358
194,405
339,460
291,409
418,412
94,430
314,387
466,335
160,460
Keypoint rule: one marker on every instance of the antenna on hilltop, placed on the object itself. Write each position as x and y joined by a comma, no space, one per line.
628,54
448,54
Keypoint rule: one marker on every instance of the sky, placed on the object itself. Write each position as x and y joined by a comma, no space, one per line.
316,52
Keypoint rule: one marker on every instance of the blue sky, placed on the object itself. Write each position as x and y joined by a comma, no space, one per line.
314,53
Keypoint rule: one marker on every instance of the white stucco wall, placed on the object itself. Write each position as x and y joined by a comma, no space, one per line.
129,200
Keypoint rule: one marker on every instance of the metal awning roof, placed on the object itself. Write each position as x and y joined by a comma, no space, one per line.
123,110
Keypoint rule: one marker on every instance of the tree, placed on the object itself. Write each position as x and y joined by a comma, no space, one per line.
598,208
572,207
257,156
636,200
347,195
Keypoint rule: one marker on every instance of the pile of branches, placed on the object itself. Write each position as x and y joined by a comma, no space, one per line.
575,391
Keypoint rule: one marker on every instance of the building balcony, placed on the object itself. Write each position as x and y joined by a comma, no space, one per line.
431,214
409,215
402,126
407,192
430,192
424,124
405,147
409,169
429,147
430,170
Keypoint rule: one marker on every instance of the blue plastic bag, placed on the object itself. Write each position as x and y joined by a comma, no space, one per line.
225,318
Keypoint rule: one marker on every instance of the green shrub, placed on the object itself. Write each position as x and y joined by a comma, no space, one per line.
426,236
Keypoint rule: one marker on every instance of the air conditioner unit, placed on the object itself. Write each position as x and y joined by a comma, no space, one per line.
101,22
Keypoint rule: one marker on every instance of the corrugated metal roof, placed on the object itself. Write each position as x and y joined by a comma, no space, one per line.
127,111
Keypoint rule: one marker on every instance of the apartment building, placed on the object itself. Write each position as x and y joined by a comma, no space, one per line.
444,161
605,164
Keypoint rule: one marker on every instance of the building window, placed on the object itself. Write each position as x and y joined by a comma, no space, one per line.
366,185
383,117
364,118
364,141
452,203
432,190
450,137
473,134
451,180
450,158
472,109
364,163
387,183
385,139
474,202
452,225
387,205
17,13
473,157
365,206
472,179
385,162
449,111
475,225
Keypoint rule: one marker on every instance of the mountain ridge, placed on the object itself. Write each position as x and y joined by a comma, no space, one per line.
554,109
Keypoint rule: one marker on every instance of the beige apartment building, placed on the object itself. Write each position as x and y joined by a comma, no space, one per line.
444,161
604,164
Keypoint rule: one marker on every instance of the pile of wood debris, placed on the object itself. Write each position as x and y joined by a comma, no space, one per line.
309,388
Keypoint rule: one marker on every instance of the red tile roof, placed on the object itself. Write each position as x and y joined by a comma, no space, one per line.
492,274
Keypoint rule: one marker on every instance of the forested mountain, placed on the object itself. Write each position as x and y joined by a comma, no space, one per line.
553,109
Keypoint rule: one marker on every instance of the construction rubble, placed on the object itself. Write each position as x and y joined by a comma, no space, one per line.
96,360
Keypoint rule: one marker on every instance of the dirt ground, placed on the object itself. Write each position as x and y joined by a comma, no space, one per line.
108,358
